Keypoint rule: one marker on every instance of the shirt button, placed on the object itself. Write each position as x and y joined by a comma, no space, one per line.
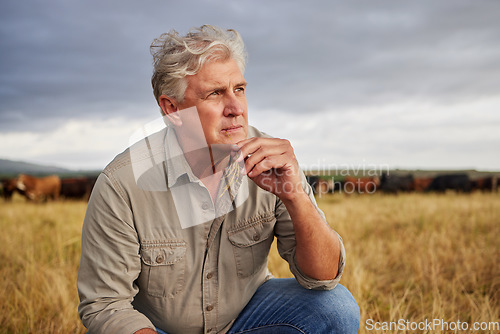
210,275
256,237
205,206
160,258
210,308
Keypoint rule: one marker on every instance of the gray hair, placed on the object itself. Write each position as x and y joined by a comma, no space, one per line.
175,57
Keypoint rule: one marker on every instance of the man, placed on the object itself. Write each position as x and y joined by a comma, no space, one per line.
179,226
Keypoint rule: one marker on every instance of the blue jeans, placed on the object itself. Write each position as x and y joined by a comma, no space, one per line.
282,306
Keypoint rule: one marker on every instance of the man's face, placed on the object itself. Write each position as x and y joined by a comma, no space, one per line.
218,93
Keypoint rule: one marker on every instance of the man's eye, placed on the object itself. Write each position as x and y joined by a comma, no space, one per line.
214,93
240,89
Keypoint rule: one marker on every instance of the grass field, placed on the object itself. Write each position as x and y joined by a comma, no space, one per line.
414,257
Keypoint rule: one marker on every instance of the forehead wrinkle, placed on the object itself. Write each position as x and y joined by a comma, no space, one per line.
205,81
218,86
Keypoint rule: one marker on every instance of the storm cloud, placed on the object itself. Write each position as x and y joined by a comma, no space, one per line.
410,67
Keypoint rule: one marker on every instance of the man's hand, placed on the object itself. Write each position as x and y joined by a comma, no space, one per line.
271,164
146,331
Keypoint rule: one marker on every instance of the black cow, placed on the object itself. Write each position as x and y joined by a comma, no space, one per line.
77,188
457,182
313,181
395,183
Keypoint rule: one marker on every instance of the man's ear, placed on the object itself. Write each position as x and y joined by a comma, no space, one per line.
168,107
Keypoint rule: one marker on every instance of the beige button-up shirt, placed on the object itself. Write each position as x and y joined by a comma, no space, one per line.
142,267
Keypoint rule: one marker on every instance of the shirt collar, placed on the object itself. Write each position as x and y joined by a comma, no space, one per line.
177,165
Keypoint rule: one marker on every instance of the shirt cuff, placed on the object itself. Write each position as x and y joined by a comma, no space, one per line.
119,322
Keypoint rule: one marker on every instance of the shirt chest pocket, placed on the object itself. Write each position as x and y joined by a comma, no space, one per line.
251,242
164,267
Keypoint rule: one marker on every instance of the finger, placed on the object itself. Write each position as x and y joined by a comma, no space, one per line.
251,144
265,146
267,158
248,151
261,152
264,166
247,147
245,141
254,167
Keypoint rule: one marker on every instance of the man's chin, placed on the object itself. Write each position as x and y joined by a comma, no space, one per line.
225,141
232,137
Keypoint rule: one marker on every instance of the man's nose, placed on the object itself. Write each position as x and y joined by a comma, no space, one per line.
233,106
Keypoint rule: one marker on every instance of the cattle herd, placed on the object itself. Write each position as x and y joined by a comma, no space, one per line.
41,189
396,183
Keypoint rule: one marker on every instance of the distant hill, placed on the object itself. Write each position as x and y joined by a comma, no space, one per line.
11,168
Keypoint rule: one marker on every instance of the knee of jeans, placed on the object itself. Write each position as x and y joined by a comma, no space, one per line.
338,310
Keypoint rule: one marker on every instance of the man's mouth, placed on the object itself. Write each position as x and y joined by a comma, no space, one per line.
232,128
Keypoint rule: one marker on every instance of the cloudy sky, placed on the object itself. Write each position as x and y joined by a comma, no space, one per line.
404,84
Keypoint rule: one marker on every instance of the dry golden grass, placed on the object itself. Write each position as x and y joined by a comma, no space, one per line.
411,256
419,257
39,256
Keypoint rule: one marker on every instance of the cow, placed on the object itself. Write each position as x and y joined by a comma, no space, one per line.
457,182
77,188
313,181
396,183
421,184
485,184
9,187
39,189
361,185
319,185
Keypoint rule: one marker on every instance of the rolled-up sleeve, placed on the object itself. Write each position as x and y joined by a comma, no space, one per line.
110,264
311,283
287,246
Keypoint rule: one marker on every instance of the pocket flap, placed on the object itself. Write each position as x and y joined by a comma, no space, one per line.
254,231
163,253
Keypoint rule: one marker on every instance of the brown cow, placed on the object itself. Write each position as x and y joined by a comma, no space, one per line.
39,189
9,186
485,184
421,184
362,185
